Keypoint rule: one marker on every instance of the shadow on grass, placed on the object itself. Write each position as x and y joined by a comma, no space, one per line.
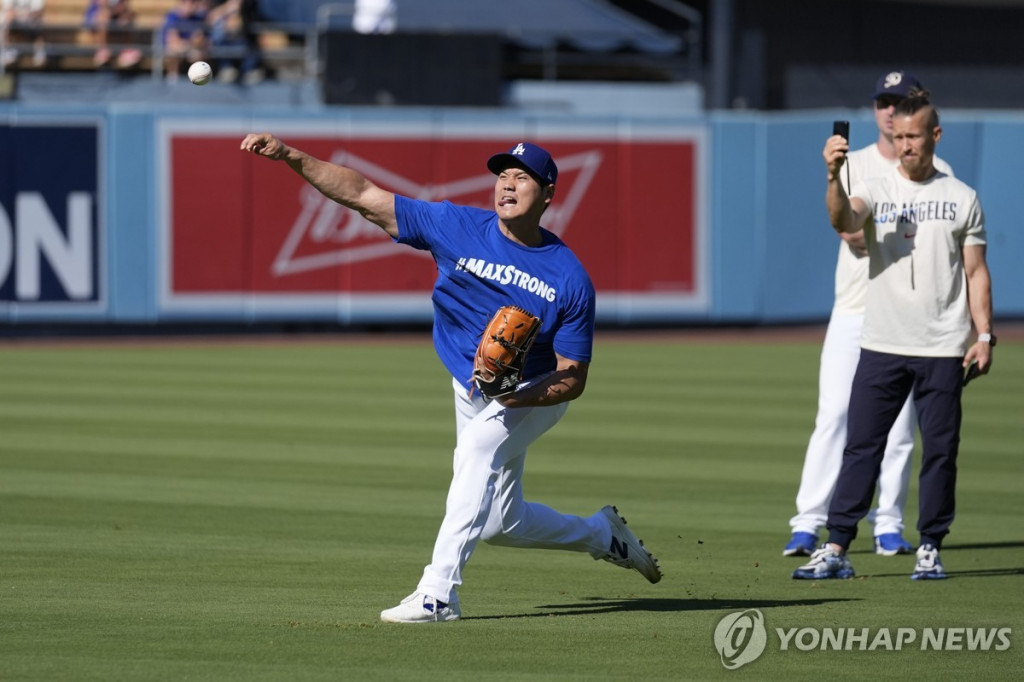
982,545
979,573
596,605
954,545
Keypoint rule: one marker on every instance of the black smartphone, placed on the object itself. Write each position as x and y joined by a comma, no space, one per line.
841,128
972,373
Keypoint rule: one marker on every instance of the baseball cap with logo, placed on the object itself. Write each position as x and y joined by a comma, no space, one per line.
530,157
896,84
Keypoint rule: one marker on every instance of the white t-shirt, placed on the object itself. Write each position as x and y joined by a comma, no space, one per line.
916,299
24,5
374,16
852,266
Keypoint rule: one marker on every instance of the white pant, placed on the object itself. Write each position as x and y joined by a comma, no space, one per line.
485,499
839,356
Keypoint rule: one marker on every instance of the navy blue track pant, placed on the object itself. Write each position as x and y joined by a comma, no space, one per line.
880,386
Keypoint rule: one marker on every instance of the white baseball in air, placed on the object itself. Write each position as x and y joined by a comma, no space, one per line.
200,73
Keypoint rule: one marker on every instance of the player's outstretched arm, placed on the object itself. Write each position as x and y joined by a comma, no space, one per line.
564,384
347,187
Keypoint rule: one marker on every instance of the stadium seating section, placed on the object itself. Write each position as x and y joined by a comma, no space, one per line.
70,46
574,39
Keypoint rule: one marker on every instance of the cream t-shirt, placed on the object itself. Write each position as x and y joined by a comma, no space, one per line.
851,277
916,298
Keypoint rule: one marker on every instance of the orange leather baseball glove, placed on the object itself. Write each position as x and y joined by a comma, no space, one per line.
502,351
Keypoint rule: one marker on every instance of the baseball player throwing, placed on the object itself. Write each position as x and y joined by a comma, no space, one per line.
488,259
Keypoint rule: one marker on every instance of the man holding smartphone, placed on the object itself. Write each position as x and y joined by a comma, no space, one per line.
924,232
839,356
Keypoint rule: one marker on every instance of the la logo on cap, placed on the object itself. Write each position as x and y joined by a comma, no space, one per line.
893,79
519,150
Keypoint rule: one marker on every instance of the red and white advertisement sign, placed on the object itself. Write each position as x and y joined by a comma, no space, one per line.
243,232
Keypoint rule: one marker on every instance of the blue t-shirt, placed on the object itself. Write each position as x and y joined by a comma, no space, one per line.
184,24
479,270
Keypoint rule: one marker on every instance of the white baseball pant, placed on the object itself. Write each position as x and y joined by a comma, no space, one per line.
839,356
485,498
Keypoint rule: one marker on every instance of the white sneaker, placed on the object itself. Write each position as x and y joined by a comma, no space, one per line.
627,550
825,564
929,566
421,608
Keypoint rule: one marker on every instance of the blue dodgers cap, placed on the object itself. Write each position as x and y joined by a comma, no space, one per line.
529,156
896,83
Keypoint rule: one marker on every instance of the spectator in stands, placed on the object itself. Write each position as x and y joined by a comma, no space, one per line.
103,15
374,16
233,26
25,16
184,36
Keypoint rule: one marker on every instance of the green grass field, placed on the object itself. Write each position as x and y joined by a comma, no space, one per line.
244,512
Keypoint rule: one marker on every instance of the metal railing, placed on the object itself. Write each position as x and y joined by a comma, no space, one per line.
324,14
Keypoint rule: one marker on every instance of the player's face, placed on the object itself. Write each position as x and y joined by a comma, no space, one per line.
914,138
517,194
884,106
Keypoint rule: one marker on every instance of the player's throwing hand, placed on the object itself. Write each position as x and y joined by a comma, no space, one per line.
265,144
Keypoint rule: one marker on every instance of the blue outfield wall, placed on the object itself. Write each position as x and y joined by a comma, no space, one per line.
763,249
